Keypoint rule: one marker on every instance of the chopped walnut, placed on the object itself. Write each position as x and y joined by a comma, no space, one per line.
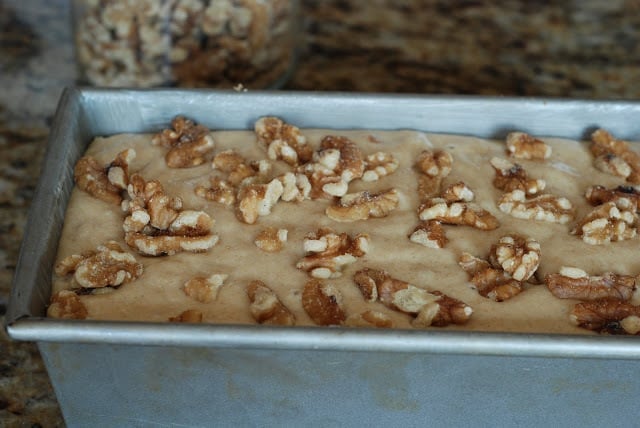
188,143
430,308
457,192
597,195
574,283
363,205
328,252
257,200
239,171
156,224
283,141
607,316
220,191
435,163
442,312
517,255
369,318
546,207
203,289
271,239
433,166
613,164
511,176
615,156
323,303
524,146
66,304
265,307
105,183
493,283
612,221
188,316
338,162
108,266
460,213
430,234
295,187
378,165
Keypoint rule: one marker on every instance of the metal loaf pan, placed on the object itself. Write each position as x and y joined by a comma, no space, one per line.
146,374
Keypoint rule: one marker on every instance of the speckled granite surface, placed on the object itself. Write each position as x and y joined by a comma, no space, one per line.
554,48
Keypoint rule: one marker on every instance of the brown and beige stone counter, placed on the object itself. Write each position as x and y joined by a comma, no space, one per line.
585,49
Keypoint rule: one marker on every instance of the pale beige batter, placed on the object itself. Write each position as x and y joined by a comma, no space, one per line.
157,294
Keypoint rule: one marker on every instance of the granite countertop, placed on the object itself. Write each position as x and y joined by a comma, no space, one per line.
585,49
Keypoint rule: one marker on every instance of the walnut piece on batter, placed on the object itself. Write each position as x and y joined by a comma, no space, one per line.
338,162
545,207
598,195
378,165
104,183
574,283
512,260
219,190
271,240
295,187
187,142
329,252
67,305
611,316
257,200
521,145
106,266
615,156
323,303
516,255
157,225
430,234
204,289
433,167
616,220
429,308
283,141
239,171
492,283
363,205
188,316
512,176
457,213
265,307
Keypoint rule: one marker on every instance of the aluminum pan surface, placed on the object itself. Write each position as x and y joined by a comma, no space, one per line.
85,113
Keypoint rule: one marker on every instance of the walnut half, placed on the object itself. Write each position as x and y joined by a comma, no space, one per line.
574,283
188,143
607,316
265,306
429,308
323,303
329,252
363,205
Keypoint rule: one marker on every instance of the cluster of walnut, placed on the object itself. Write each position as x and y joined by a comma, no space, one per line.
452,205
522,198
190,43
512,261
321,174
606,305
97,271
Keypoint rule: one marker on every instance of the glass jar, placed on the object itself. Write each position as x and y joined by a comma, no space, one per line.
188,43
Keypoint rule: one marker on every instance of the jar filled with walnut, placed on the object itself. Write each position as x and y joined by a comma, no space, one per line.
186,43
